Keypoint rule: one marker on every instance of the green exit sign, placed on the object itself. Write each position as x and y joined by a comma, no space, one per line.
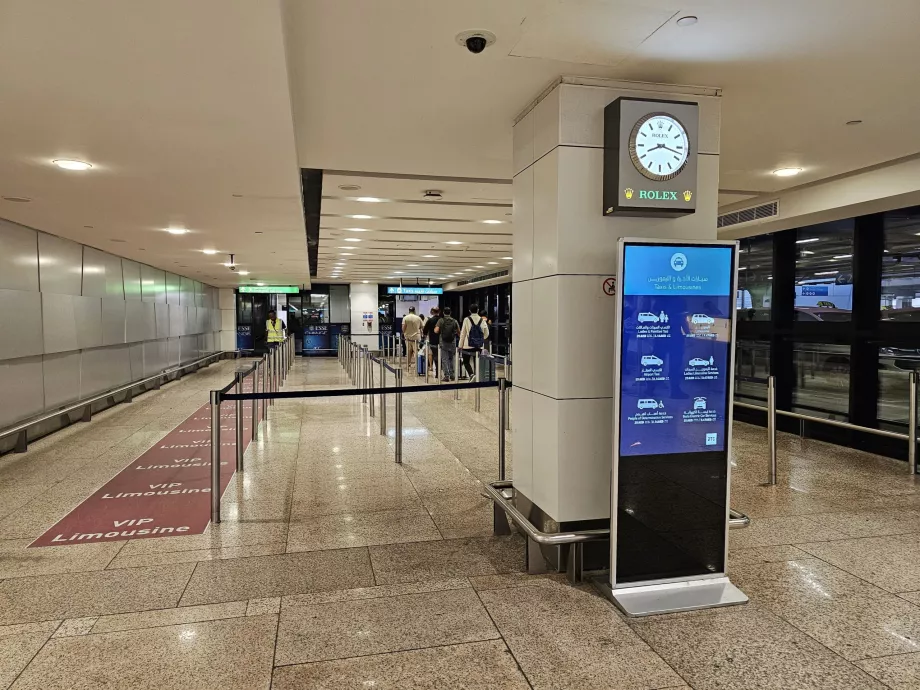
269,289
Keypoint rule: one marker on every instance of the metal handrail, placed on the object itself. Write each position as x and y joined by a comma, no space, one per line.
73,407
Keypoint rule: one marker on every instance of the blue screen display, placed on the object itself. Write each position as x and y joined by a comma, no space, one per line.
676,337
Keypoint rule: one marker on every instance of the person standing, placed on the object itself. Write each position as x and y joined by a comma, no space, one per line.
433,339
473,338
274,329
412,333
447,330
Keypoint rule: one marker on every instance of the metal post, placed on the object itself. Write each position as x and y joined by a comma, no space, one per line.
383,399
362,378
440,370
255,403
264,383
912,425
507,405
502,423
239,423
456,376
771,427
215,456
370,381
399,427
476,395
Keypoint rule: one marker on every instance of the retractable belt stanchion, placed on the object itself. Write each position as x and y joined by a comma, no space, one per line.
370,377
265,374
476,395
771,428
456,376
240,375
215,456
255,403
912,425
399,426
383,399
502,421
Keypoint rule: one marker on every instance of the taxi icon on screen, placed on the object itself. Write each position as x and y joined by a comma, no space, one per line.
651,361
699,403
649,404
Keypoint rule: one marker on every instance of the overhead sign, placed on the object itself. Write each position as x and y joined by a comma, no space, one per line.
650,157
269,289
673,385
415,291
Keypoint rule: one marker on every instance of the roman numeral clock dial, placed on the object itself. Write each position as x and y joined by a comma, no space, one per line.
659,146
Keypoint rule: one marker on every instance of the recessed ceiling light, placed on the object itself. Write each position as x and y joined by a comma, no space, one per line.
365,281
467,270
345,254
360,216
261,284
843,256
492,263
689,20
244,273
478,266
357,229
176,231
352,239
412,265
369,199
453,242
429,256
69,164
805,251
808,240
493,222
507,258
398,272
349,187
787,172
209,251
826,273
17,199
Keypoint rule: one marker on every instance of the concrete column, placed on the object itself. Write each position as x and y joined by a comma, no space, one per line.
564,249
363,297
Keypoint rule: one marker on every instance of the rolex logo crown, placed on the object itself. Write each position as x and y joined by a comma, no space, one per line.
688,195
628,192
660,124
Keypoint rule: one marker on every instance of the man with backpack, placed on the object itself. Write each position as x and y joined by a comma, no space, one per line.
447,329
473,338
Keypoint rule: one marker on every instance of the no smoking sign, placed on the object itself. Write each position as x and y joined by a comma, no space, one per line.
610,286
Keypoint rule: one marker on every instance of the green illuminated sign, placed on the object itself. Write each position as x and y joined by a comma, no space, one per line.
269,289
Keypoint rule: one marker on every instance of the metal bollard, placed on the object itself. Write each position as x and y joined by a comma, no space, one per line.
399,429
370,377
440,370
215,457
456,376
507,408
912,425
383,399
264,383
502,422
476,395
239,422
771,427
255,403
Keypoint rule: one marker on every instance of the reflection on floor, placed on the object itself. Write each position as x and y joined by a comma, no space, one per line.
336,568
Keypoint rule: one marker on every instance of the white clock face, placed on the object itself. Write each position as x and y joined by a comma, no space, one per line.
659,147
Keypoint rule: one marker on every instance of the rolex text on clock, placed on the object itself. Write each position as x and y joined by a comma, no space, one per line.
659,146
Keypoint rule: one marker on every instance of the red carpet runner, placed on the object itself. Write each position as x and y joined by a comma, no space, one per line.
165,492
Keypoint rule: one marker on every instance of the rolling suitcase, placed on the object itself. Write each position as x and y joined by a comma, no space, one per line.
421,360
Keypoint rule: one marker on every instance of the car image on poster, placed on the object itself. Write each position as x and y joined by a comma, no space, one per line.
675,343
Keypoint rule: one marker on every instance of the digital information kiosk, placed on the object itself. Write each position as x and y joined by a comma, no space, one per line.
675,329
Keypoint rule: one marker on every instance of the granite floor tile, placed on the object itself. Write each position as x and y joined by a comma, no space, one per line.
194,555
473,666
261,607
778,501
901,672
234,654
473,522
765,554
445,559
871,524
892,563
172,616
745,647
17,560
377,592
75,595
348,530
564,638
16,651
777,531
225,535
271,576
361,627
74,626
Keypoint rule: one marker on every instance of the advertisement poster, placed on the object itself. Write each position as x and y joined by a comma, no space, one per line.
675,344
315,340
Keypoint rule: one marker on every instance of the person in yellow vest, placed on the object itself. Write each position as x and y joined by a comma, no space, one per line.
274,329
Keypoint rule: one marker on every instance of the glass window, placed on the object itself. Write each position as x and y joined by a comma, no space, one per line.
824,272
315,309
894,367
822,379
901,266
752,367
755,278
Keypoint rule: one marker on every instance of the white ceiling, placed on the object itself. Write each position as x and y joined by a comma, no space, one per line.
407,236
179,106
383,86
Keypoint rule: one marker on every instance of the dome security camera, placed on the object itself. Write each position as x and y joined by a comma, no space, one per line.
476,41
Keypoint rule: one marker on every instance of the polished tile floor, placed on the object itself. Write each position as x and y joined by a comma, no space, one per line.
336,568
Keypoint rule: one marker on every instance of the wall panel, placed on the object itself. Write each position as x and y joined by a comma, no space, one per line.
136,357
18,257
161,315
60,265
23,396
20,324
131,272
62,379
113,320
59,326
173,288
88,317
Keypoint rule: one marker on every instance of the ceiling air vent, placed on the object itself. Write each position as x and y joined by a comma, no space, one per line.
479,279
746,215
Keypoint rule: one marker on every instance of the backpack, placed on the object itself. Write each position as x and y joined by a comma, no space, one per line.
449,328
476,338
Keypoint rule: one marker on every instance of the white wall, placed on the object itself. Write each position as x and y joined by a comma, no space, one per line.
364,298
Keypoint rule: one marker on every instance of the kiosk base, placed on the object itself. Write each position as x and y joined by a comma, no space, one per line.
673,597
